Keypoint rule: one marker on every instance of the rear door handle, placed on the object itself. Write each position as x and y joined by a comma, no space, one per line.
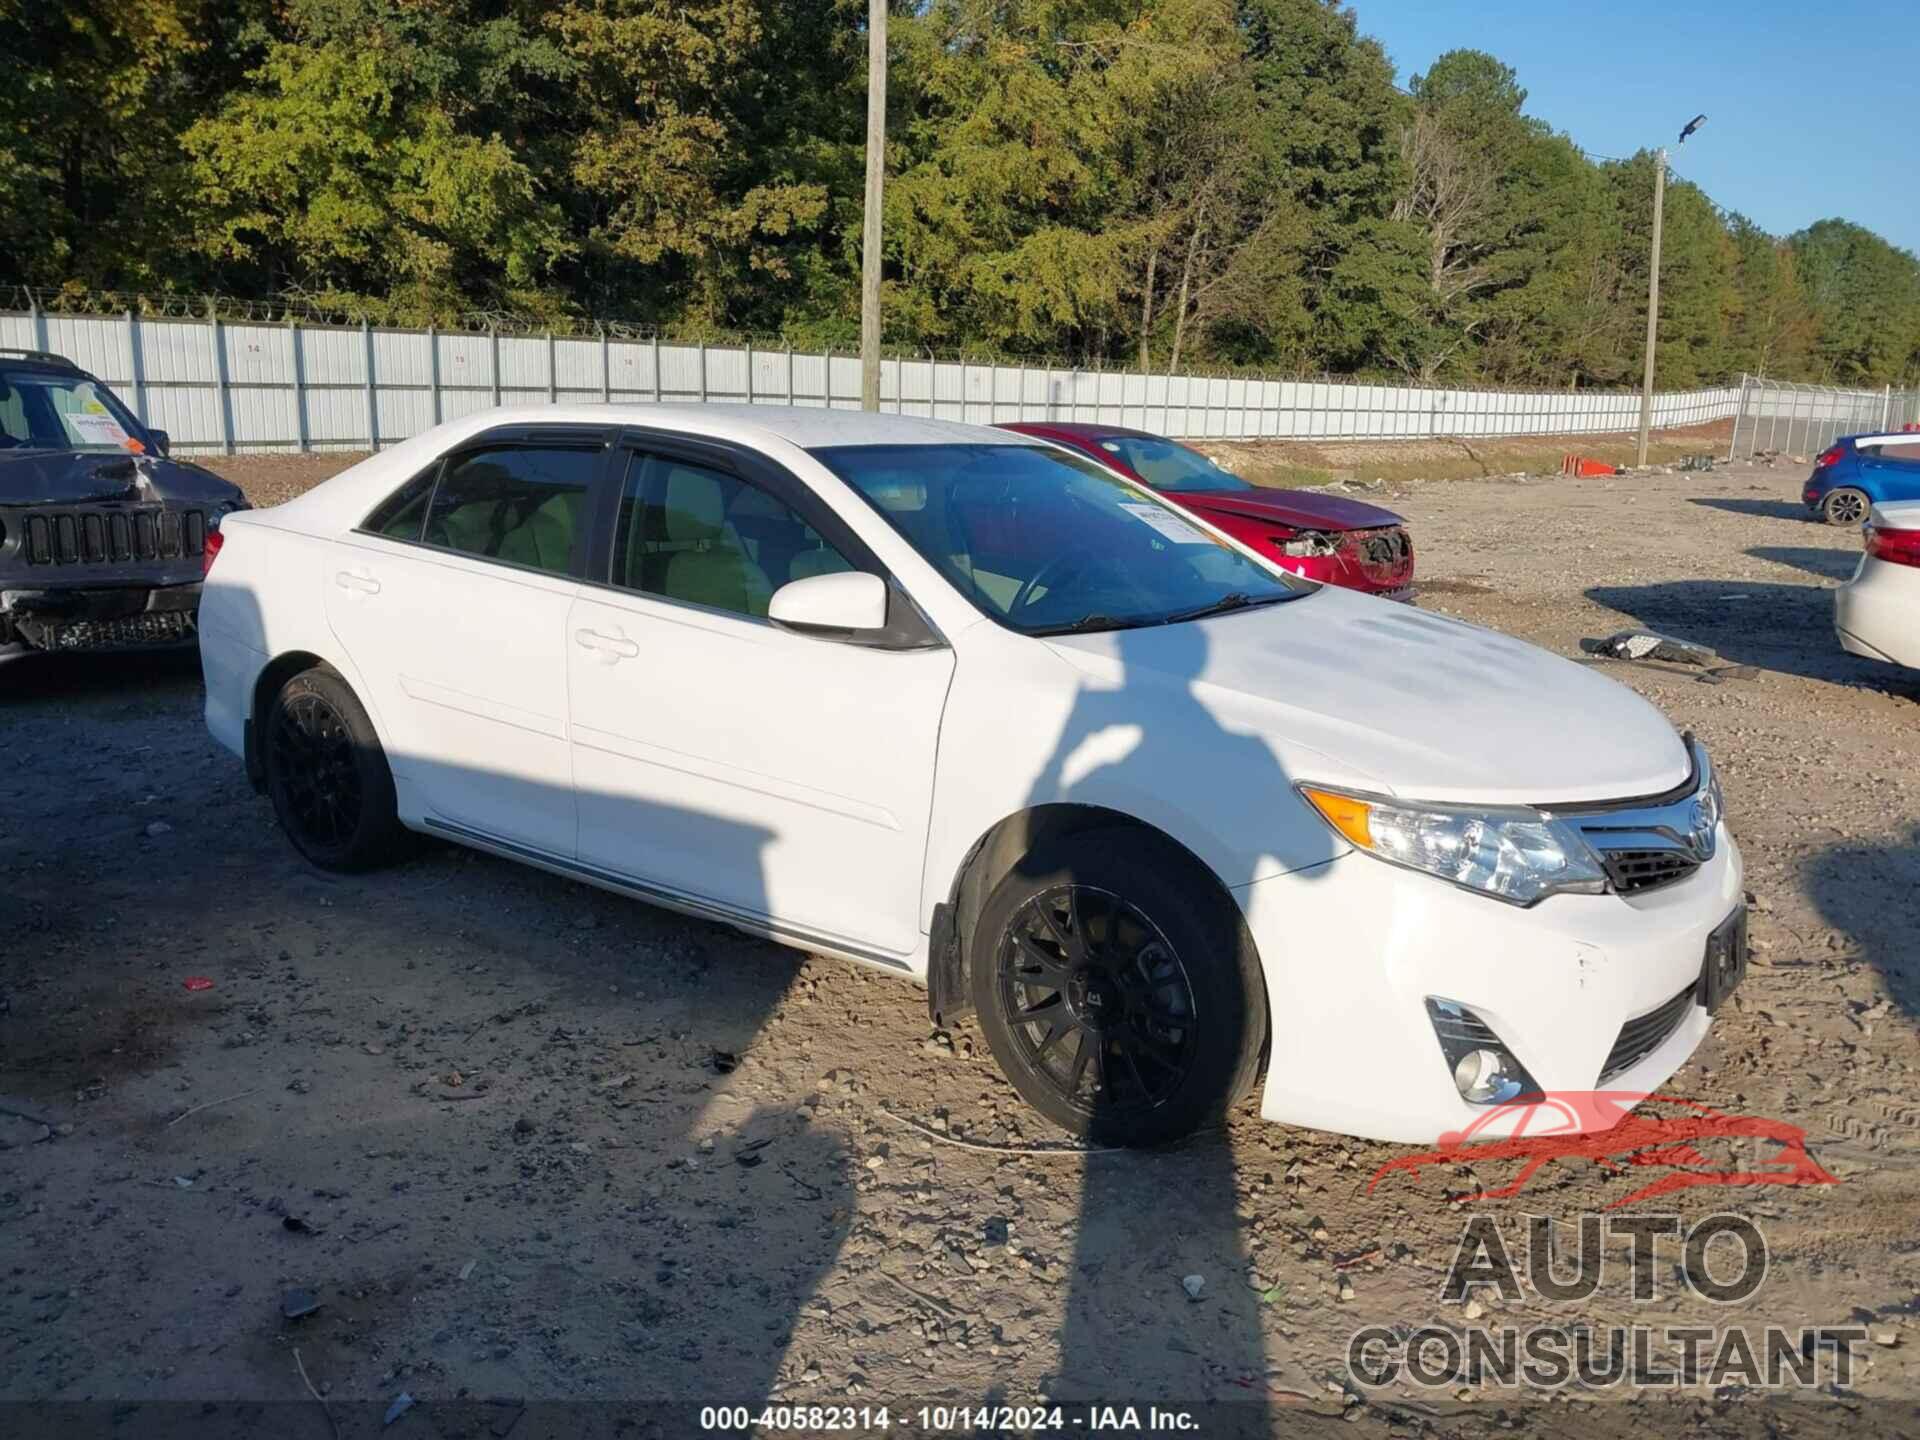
610,647
365,584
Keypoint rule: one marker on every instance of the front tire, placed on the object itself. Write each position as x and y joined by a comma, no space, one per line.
1845,506
1118,988
327,775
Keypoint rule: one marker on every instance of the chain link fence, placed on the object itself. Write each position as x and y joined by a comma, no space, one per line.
1781,417
230,377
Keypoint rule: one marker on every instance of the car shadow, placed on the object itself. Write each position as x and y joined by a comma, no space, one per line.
1827,564
1765,509
1849,884
723,1206
45,677
1788,628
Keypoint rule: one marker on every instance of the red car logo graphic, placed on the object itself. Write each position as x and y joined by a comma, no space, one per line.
1621,1130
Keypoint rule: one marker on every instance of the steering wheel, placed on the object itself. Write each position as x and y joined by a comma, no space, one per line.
1046,575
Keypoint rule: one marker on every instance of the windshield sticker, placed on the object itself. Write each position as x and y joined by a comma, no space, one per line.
96,430
1168,524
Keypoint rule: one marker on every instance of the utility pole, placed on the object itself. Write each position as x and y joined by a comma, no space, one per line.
870,228
1653,301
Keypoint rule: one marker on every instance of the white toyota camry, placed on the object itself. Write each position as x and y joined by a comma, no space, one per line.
960,705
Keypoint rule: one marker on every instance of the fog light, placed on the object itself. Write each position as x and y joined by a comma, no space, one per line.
1482,1078
1485,1070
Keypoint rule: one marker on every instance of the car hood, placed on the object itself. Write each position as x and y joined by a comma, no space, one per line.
73,477
1296,509
1347,689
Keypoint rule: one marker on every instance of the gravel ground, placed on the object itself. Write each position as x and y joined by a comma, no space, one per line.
524,1140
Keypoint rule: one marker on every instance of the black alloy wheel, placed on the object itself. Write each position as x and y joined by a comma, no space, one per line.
327,775
1118,988
316,775
1099,1003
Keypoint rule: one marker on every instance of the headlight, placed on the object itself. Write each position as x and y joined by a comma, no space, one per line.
1513,854
1306,543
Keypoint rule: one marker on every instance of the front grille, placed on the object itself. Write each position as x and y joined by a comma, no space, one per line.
1644,1034
1634,871
109,535
128,632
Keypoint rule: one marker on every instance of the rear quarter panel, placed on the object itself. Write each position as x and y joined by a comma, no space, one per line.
262,600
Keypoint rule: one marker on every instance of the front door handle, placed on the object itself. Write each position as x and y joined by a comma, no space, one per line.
365,584
609,647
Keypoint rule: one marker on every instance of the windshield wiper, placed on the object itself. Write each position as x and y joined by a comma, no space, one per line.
1233,600
1084,624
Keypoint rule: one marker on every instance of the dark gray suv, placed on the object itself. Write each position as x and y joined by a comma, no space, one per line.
103,536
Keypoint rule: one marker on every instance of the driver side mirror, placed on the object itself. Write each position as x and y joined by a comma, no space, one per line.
842,604
162,442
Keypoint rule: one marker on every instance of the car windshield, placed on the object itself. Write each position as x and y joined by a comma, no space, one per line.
44,410
1167,466
1045,542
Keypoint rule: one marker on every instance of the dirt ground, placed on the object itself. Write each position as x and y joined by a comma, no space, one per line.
525,1141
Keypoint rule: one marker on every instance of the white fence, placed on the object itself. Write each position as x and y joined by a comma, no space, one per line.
225,386
1781,417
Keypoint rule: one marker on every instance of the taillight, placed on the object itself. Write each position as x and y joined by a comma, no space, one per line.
211,552
1829,456
1896,547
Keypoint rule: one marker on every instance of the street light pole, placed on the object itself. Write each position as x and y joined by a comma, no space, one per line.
1653,302
870,227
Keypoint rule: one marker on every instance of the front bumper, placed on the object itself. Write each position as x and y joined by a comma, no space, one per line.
71,620
1353,948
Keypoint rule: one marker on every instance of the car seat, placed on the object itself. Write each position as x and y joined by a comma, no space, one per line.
690,552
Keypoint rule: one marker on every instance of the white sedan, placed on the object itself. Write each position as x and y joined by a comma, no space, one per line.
960,705
1877,612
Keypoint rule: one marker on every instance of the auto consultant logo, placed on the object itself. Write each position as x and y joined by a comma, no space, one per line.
1669,1144
1722,1258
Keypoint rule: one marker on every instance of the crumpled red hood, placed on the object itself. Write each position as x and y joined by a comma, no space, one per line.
1297,509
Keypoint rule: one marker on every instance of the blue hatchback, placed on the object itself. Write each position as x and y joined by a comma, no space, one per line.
1857,472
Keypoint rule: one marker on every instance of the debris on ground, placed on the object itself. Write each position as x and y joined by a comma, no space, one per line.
725,1062
298,1303
1581,468
196,982
1193,1285
1649,645
402,1403
1697,462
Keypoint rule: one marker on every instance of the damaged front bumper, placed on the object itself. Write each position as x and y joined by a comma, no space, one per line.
69,620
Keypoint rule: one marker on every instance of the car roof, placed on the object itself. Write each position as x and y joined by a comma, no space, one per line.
34,365
343,500
810,427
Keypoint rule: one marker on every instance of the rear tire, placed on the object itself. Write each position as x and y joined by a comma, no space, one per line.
327,775
1118,988
1845,506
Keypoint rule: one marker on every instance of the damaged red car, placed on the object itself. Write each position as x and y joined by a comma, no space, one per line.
1323,537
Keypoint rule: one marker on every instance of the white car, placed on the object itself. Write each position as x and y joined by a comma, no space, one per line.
1877,612
957,704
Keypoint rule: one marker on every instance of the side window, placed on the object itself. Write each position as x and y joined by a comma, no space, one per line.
523,504
694,534
402,515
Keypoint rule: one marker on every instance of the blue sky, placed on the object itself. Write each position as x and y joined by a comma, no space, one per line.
1812,106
